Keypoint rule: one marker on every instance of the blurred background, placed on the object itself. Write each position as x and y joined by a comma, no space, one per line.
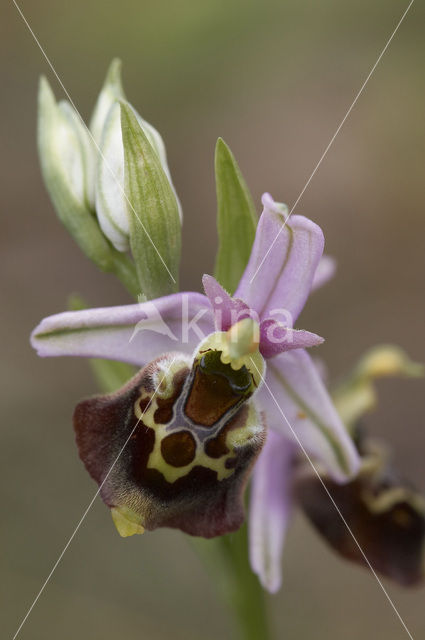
274,79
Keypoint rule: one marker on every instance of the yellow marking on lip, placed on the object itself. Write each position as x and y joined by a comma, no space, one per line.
234,438
387,499
171,474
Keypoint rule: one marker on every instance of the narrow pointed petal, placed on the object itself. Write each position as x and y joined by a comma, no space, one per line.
324,272
134,333
283,262
275,338
270,509
294,391
227,310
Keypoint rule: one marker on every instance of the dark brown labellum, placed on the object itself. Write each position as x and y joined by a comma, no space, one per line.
174,446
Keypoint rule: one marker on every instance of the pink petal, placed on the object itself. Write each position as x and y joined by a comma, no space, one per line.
275,338
270,509
135,333
324,272
298,405
283,261
227,310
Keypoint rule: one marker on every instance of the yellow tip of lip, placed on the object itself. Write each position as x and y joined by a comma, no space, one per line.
125,522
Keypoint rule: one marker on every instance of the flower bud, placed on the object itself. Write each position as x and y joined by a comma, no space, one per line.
111,201
64,146
113,194
67,164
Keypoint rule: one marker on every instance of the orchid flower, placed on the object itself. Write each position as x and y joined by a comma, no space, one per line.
213,365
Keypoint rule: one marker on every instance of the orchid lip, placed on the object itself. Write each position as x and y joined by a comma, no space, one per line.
189,454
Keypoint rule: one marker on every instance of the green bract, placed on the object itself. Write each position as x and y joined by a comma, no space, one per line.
153,211
236,219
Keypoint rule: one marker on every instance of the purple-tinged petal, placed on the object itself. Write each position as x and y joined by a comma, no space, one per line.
135,333
275,338
284,259
298,405
324,272
322,370
227,310
270,509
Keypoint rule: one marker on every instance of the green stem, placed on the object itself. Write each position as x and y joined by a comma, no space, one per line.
227,560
